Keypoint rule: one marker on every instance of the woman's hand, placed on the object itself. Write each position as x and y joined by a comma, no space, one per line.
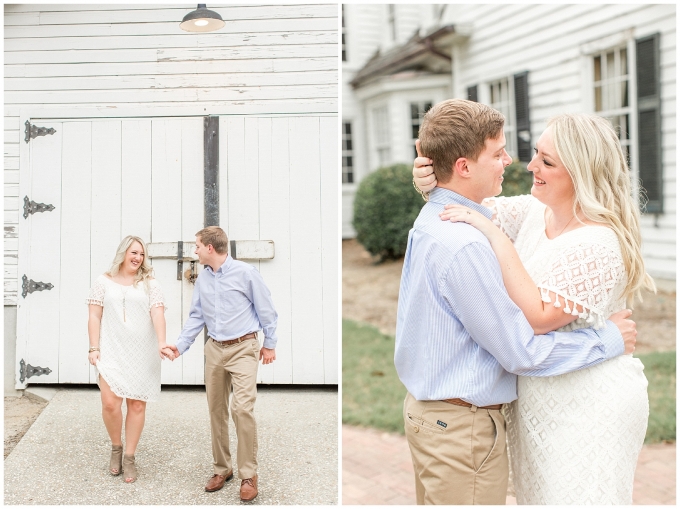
463,214
168,351
423,172
93,357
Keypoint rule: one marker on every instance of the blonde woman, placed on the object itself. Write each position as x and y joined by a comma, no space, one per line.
570,256
126,327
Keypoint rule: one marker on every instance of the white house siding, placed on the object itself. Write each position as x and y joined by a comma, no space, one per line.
134,60
546,41
367,31
550,41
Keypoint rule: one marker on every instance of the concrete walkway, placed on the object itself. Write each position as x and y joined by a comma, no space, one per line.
377,469
63,458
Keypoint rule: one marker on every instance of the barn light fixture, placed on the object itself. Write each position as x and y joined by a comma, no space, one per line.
201,20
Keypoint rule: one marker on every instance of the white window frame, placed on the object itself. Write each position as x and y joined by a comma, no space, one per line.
417,121
608,110
348,170
506,105
344,36
381,131
625,38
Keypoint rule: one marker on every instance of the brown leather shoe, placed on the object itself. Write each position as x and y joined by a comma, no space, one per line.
217,481
249,489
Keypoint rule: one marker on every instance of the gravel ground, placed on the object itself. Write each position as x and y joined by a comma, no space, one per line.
370,292
20,413
67,451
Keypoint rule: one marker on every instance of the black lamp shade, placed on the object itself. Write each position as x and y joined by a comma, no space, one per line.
201,20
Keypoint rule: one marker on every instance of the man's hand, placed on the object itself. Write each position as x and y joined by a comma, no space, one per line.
170,352
423,172
267,355
627,328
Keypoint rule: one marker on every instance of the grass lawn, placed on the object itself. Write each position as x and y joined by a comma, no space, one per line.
660,371
372,394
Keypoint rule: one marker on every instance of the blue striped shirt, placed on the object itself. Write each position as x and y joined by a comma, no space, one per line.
231,303
459,335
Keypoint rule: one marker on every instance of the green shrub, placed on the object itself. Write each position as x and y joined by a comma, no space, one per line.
516,180
385,207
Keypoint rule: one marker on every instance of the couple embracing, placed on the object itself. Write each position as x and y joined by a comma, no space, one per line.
128,340
512,316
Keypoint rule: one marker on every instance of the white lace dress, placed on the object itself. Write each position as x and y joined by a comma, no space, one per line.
574,438
129,359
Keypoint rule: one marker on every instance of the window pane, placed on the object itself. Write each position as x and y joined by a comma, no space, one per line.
624,61
598,69
348,145
427,107
623,119
610,65
348,128
624,94
414,111
598,98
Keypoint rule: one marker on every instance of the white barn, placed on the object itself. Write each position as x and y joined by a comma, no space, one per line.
157,132
529,61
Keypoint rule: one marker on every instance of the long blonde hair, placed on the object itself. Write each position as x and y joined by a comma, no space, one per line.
590,149
145,270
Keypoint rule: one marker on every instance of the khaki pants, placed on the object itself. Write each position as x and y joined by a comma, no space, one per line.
227,367
458,453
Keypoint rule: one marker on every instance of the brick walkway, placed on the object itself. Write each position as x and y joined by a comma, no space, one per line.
376,469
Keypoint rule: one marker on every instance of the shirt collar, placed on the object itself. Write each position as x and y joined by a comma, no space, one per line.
443,196
224,267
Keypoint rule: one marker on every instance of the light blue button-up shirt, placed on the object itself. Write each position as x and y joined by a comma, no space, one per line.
459,335
231,302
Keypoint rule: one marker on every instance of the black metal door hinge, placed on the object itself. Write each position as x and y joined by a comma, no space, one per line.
31,207
33,131
27,371
30,286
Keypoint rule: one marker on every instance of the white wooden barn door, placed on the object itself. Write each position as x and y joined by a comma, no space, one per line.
106,179
111,178
278,180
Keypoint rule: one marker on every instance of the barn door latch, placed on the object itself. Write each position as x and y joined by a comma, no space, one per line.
180,259
33,131
30,286
31,207
27,371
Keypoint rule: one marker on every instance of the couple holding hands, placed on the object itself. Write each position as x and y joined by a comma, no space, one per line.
127,334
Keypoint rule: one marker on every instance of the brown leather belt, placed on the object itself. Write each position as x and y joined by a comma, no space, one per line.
250,335
460,402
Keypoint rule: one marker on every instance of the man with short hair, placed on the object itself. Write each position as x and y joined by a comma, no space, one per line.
230,299
460,340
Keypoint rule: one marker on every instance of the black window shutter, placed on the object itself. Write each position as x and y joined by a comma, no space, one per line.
649,121
522,116
472,93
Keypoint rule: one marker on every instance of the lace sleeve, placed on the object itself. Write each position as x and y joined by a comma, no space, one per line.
509,212
96,295
156,298
586,275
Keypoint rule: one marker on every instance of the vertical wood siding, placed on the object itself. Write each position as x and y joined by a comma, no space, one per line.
272,59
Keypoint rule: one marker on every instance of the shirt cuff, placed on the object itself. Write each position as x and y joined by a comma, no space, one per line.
269,343
612,340
182,345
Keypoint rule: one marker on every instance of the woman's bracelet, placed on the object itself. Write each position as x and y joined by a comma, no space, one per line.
422,193
93,349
